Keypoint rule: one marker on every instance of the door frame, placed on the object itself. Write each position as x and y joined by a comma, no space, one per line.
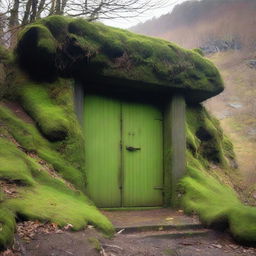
174,140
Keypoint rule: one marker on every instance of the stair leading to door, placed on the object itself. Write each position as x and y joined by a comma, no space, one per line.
157,223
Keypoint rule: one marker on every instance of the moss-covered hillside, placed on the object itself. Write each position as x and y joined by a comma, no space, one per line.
41,143
205,191
42,174
61,46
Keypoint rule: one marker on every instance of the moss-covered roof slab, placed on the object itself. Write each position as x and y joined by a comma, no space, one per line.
94,53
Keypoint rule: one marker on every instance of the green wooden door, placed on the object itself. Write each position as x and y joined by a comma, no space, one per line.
102,150
142,155
124,152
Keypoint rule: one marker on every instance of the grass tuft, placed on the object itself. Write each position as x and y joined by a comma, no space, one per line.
50,117
31,140
7,227
216,203
58,207
14,164
205,139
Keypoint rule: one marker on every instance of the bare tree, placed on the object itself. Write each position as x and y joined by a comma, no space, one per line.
110,9
22,12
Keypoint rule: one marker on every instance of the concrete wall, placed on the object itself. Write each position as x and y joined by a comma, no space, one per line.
174,146
79,101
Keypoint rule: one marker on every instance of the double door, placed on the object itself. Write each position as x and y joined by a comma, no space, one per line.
124,152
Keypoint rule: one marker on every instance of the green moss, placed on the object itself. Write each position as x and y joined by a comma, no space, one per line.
31,140
58,207
49,117
193,142
205,139
7,227
41,99
242,221
199,51
1,195
14,164
228,147
58,25
143,49
72,147
81,28
200,187
37,33
86,45
218,203
87,49
52,108
37,42
196,162
58,203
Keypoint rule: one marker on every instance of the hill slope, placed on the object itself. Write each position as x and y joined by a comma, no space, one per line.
194,23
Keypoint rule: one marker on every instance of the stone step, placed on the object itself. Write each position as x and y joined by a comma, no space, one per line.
170,234
158,228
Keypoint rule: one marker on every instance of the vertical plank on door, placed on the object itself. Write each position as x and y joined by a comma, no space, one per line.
102,147
143,168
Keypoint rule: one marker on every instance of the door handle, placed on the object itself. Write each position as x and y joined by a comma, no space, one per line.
130,148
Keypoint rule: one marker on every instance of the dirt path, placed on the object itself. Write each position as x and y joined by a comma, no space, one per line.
212,244
156,232
91,243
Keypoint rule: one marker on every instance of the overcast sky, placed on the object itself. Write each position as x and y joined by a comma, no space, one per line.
126,23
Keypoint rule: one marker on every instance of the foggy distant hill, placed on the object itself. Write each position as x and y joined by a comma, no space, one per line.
194,23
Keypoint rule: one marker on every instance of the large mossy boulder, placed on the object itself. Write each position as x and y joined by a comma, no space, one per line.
91,52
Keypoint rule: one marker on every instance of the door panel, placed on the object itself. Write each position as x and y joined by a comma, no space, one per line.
142,155
102,147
